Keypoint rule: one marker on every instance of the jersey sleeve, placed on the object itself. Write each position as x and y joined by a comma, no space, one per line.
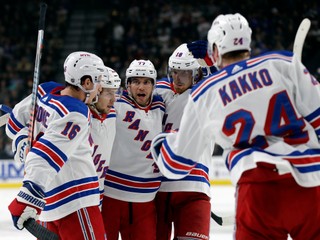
181,150
307,94
164,89
19,117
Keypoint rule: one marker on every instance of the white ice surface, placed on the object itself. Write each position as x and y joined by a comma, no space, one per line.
222,204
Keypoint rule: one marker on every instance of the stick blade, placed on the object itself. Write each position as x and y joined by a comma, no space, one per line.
300,37
4,119
216,218
223,221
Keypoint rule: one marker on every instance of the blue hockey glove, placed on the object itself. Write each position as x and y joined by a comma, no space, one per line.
198,48
199,51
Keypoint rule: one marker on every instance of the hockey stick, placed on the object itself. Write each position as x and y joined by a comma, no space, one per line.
36,73
39,231
31,225
223,221
4,119
300,37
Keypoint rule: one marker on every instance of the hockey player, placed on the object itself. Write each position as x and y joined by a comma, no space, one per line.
17,127
132,178
264,112
103,121
60,179
189,197
103,128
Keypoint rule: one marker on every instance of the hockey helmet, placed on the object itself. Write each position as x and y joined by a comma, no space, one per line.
79,64
182,59
110,79
141,68
230,32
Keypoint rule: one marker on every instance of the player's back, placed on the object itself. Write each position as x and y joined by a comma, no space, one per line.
262,109
257,102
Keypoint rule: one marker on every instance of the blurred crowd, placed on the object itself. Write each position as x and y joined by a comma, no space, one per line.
138,30
18,38
153,29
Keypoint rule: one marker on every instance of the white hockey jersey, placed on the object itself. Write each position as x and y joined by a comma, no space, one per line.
60,160
20,115
198,178
265,109
103,132
164,88
132,174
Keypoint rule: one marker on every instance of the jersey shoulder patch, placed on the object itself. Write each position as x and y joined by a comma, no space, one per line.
47,87
65,104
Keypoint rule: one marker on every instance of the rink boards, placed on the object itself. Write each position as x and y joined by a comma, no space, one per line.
11,173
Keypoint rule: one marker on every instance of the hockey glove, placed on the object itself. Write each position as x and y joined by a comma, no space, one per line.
156,145
199,51
206,71
20,146
28,204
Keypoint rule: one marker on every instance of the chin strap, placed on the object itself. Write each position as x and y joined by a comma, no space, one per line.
88,92
86,98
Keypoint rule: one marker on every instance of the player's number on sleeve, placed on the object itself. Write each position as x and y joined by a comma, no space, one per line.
71,130
281,121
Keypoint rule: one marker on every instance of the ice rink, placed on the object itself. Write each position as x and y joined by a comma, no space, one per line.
222,204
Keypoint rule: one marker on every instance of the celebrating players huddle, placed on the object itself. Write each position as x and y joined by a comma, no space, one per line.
106,162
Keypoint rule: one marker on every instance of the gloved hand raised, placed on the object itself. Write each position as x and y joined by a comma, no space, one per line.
28,204
199,51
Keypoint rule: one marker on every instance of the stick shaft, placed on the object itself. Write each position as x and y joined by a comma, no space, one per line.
39,231
300,37
43,9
